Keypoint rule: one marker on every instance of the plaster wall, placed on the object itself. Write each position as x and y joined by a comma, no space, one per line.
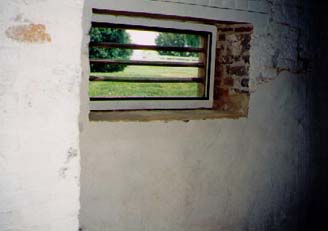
224,174
40,72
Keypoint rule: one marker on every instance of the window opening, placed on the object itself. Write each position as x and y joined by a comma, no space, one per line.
150,64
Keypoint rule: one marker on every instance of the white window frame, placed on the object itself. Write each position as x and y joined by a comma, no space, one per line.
186,103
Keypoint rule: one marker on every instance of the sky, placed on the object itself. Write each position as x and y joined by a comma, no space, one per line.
142,37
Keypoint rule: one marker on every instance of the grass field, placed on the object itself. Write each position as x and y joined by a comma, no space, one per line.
97,88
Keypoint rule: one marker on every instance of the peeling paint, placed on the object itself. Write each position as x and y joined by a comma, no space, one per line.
250,166
32,33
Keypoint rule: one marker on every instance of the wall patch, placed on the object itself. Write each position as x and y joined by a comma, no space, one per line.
32,33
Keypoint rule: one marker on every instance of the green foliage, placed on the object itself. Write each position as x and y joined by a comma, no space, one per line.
178,40
109,88
98,34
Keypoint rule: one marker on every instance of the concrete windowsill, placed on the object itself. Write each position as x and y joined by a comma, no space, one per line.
161,115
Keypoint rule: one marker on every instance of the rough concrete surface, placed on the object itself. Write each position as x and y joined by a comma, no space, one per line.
214,175
40,74
222,174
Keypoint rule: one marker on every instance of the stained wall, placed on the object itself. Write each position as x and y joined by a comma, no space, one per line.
40,72
249,173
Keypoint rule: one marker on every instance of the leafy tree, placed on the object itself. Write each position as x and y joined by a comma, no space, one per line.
98,34
192,40
177,40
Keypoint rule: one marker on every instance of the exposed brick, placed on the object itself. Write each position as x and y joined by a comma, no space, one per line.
246,42
244,29
220,46
218,54
242,91
226,29
246,58
218,72
237,70
237,58
246,37
223,92
222,37
216,95
245,82
228,81
226,59
232,66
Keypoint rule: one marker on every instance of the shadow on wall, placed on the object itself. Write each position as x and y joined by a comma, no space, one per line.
316,210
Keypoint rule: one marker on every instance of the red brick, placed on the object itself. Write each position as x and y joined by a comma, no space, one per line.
228,81
237,70
244,29
226,59
222,37
220,92
226,29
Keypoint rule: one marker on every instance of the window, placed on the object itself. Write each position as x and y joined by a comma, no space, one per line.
127,74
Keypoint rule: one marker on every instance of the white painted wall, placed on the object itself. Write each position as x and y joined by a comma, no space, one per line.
245,174
202,175
39,103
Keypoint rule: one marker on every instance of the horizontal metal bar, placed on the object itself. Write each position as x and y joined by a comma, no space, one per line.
147,47
132,98
148,80
147,63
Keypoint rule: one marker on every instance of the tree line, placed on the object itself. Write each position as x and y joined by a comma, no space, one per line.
121,36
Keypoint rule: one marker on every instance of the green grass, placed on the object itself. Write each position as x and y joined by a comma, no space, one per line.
142,89
97,88
146,71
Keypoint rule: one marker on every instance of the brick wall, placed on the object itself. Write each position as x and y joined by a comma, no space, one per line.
242,174
232,68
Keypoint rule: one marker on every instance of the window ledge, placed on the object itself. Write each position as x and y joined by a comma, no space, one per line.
162,115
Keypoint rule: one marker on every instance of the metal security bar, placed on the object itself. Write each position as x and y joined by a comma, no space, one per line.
147,63
148,79
147,47
200,64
